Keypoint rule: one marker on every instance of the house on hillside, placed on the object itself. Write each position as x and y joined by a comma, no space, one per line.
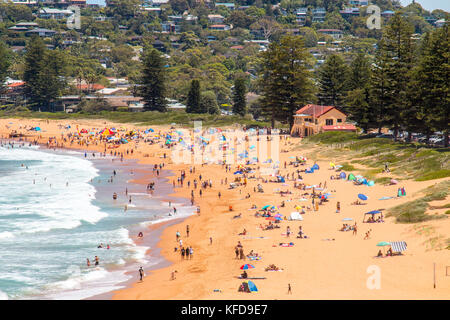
313,119
335,33
302,14
318,15
52,13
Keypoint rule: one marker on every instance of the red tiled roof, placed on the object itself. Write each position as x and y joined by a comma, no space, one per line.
342,127
314,110
16,84
95,86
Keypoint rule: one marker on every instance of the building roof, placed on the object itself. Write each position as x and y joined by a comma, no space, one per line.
314,110
94,86
16,84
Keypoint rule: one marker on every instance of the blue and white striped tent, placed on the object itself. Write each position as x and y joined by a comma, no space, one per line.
398,246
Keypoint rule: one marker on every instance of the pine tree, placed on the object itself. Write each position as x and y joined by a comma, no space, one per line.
239,102
359,75
397,48
430,84
44,75
378,93
153,81
5,62
35,52
286,84
333,81
193,99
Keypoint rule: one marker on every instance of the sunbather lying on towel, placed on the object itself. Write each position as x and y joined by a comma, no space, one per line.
273,267
237,216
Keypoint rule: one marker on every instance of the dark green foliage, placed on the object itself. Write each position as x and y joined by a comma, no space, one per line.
239,102
193,99
286,83
333,81
153,81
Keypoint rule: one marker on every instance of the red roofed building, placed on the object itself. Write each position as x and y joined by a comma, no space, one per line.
90,87
312,119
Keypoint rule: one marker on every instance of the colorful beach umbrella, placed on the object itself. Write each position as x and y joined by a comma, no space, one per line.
383,244
247,266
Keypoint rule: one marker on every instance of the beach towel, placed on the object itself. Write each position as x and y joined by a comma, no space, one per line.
385,198
291,244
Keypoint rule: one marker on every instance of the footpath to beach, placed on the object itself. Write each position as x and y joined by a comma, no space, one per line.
328,264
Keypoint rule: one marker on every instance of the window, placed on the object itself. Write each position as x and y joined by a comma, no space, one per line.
339,120
329,122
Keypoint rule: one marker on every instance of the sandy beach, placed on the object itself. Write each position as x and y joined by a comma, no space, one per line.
328,264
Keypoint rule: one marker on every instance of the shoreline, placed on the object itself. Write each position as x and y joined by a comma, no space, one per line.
151,232
307,264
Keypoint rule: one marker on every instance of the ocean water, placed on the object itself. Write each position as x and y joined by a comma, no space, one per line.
55,209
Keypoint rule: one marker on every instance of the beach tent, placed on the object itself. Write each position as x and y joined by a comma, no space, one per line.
342,175
244,287
315,166
374,212
393,181
280,179
351,177
362,196
296,216
398,246
309,171
37,129
252,286
371,183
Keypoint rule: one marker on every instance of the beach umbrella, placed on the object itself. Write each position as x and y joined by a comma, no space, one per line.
362,196
237,172
383,244
247,266
267,206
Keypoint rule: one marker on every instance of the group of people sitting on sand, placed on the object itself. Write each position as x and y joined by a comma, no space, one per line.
346,227
389,253
273,267
373,220
270,226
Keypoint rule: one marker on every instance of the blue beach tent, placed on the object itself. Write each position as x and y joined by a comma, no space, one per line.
252,286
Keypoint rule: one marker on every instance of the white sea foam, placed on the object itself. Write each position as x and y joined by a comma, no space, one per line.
42,190
3,296
6,235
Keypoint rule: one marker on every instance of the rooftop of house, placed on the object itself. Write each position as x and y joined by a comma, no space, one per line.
314,110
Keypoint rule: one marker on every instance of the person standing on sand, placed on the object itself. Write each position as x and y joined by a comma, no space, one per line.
236,251
141,273
289,289
355,229
191,252
182,253
338,207
187,231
